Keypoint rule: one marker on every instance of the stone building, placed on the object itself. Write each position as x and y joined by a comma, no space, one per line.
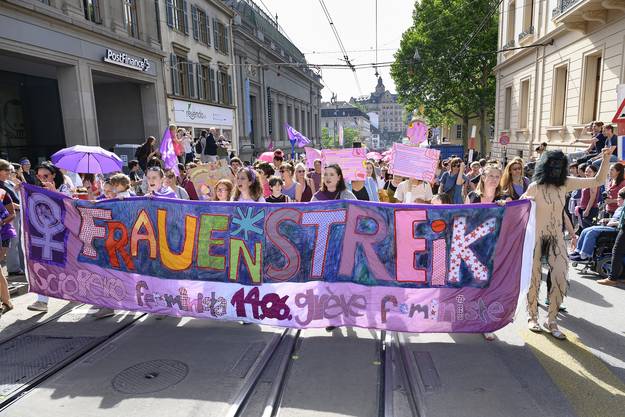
199,70
273,88
78,72
567,77
344,114
392,118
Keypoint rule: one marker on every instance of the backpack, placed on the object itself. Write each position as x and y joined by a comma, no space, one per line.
198,146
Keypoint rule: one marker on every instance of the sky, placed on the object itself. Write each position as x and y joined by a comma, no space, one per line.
307,26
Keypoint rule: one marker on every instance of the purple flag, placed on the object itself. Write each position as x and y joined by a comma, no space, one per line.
168,155
295,137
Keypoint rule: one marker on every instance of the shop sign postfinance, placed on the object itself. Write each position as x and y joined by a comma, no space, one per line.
186,112
128,61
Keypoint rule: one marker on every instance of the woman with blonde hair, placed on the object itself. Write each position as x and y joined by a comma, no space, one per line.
513,183
303,193
488,189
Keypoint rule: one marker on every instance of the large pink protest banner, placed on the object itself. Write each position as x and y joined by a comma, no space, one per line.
414,162
415,268
351,160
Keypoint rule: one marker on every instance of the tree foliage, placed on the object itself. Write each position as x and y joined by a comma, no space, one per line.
349,136
450,80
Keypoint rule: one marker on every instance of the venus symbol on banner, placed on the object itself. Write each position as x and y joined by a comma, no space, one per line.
43,215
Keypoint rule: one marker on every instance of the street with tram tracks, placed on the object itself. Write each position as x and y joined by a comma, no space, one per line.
133,364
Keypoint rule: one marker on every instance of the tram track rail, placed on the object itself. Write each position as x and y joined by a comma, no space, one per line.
67,361
262,389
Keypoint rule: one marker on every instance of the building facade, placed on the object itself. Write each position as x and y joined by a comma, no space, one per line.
273,87
334,115
199,71
78,72
566,79
392,118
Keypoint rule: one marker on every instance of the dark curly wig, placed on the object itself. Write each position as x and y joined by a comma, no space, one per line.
552,168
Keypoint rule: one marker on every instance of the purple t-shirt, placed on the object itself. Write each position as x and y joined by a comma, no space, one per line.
326,195
165,192
7,231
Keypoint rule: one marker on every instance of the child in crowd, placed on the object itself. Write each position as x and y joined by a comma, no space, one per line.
121,185
156,183
223,190
276,183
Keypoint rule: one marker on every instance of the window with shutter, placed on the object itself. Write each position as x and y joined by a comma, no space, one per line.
194,22
211,86
230,99
170,13
175,83
226,41
191,79
220,85
208,31
202,27
215,35
185,17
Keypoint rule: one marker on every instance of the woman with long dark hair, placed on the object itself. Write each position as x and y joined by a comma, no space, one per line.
617,182
247,187
588,208
145,152
333,185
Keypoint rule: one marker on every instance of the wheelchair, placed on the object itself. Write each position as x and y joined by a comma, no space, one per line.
601,261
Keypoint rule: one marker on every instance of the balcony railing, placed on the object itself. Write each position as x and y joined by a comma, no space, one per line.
563,7
526,32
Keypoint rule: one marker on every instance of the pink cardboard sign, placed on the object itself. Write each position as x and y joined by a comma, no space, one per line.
311,155
351,160
413,162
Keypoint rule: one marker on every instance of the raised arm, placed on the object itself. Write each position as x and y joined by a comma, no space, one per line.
574,183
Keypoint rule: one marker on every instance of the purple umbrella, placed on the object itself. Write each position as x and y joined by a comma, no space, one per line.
87,160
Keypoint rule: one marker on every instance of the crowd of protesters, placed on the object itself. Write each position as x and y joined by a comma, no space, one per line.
457,181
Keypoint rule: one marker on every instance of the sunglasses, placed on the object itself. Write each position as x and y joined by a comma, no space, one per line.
301,170
44,176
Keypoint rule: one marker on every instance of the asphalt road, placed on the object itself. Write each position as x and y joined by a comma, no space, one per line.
139,365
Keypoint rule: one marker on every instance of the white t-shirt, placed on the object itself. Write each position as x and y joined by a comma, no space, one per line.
186,144
405,192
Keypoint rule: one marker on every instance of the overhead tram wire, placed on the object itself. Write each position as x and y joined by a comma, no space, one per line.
376,38
341,46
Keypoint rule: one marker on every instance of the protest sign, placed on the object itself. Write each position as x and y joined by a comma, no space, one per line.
205,177
413,162
417,132
397,267
351,160
311,155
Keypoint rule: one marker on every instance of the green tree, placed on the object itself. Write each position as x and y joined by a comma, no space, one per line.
349,136
451,79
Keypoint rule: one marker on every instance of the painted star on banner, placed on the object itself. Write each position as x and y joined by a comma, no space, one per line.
247,222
